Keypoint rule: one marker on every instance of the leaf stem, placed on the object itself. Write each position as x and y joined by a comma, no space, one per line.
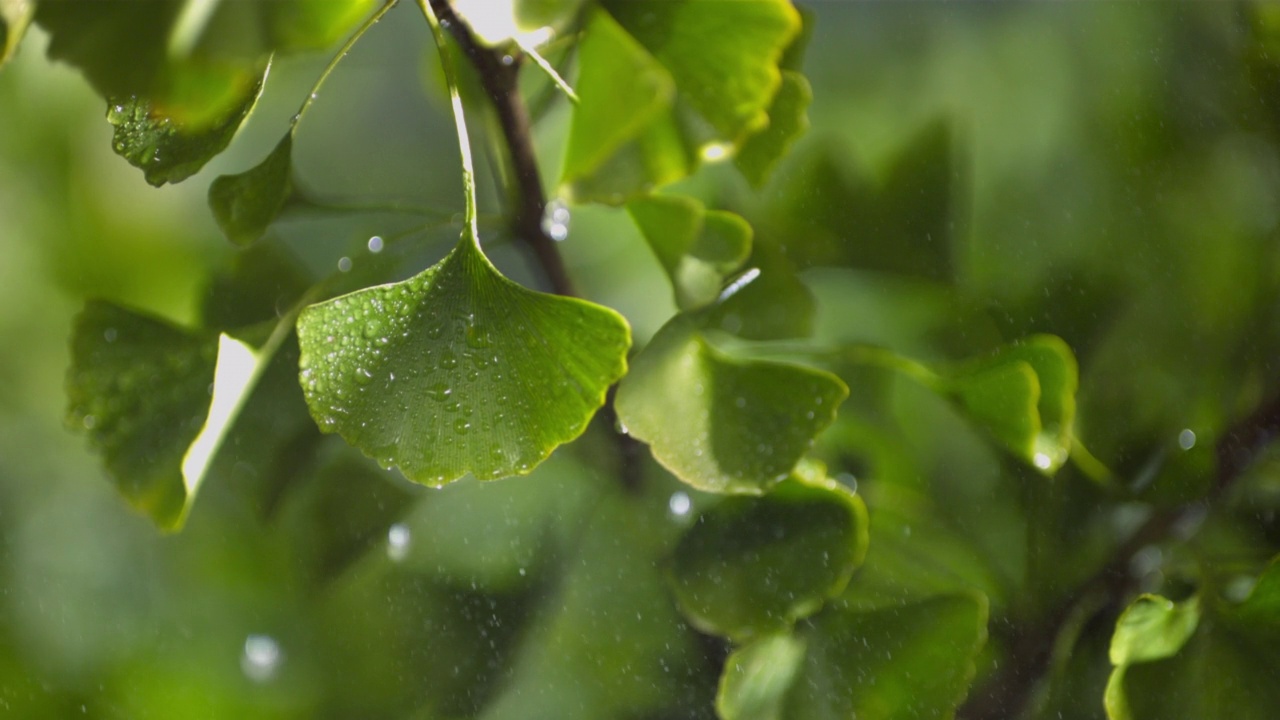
337,58
459,120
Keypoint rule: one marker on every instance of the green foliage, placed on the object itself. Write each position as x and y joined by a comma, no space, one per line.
458,370
994,348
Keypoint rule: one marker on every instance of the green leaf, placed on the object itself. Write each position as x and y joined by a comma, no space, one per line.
1152,628
139,387
245,204
165,149
698,248
754,565
1024,395
1198,659
907,661
757,677
458,369
298,25
15,15
720,424
788,120
672,58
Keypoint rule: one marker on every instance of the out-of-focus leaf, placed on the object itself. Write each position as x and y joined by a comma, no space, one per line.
1024,395
163,148
1198,659
246,203
458,369
754,565
262,284
788,120
907,661
901,223
721,424
757,677
770,301
140,388
698,248
15,15
672,58
298,25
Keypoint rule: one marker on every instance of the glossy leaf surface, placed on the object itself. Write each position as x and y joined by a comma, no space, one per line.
721,424
751,565
458,369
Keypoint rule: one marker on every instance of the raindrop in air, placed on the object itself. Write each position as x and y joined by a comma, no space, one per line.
1187,439
398,539
261,658
555,222
1042,461
375,244
679,504
344,264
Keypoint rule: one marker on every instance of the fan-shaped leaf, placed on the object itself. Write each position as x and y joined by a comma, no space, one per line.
721,424
458,369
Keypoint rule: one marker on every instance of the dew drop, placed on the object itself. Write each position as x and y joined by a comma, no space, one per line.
679,504
344,264
461,426
375,244
110,335
1042,461
89,422
363,376
1187,439
261,658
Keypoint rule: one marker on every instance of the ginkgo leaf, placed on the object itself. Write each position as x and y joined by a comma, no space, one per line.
757,677
753,565
672,58
1024,395
788,120
722,424
698,248
158,402
458,369
246,203
15,15
167,151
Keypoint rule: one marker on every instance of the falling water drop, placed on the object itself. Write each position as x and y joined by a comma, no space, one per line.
679,504
398,539
375,244
261,658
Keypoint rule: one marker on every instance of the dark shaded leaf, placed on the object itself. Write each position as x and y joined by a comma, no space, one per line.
245,204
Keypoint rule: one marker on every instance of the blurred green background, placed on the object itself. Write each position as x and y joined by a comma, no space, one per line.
1109,174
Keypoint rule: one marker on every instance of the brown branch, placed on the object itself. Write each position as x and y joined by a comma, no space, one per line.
1008,691
499,73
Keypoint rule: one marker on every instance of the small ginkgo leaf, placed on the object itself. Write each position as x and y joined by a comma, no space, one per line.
166,149
1024,395
698,248
15,15
721,424
245,204
139,387
458,369
757,677
788,120
755,564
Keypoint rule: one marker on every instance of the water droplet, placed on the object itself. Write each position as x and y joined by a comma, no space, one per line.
507,60
375,244
440,391
109,335
1187,439
1042,461
89,422
363,376
448,360
679,504
461,426
555,221
261,658
344,264
398,539
848,481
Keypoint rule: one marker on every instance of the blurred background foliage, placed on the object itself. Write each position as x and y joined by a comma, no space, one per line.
1107,173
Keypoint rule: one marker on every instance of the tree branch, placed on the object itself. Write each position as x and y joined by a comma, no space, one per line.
499,73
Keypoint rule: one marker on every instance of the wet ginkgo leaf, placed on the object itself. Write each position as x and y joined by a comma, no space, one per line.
458,369
722,424
1024,395
698,248
246,203
753,565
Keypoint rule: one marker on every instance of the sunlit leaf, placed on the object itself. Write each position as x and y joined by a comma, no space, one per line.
163,148
788,120
139,387
1199,658
458,369
1024,396
672,58
15,15
245,204
698,248
721,424
757,677
753,565
907,661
